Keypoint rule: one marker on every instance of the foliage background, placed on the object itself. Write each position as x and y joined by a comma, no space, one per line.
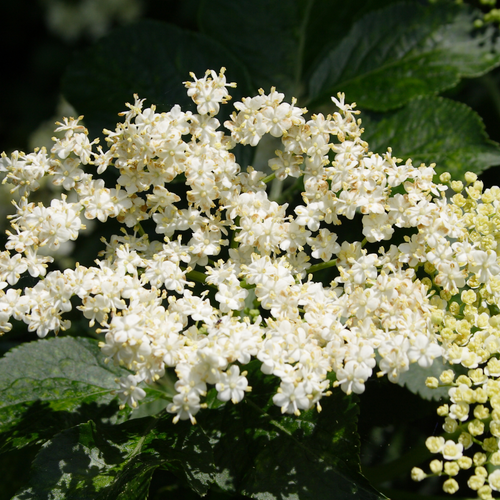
393,421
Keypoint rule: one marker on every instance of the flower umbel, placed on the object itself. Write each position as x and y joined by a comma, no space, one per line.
225,275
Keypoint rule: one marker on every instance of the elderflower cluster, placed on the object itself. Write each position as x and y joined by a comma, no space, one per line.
209,273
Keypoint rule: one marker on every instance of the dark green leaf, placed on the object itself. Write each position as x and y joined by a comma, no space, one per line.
278,45
108,463
330,22
273,457
151,59
403,51
44,384
14,466
268,38
435,130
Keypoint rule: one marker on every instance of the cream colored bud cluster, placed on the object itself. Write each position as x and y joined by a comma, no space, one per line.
489,16
468,331
254,258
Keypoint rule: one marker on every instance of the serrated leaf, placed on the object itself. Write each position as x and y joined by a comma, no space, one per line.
44,384
435,130
276,44
414,380
149,58
395,54
273,457
106,463
330,22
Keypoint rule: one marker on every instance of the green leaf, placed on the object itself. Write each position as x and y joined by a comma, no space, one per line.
149,58
414,380
272,456
268,38
108,463
53,383
435,130
278,45
330,22
405,50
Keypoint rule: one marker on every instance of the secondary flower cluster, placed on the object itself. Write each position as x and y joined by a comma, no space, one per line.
210,273
469,333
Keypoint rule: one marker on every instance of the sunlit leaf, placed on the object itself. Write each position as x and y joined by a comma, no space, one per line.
435,130
405,50
49,384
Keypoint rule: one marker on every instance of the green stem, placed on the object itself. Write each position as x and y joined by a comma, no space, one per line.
244,284
139,229
234,243
200,277
321,266
197,276
269,178
276,188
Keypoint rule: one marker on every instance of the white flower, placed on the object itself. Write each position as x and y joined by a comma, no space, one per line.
291,398
423,350
232,386
484,264
129,392
185,406
324,245
286,164
452,450
25,171
209,91
352,377
494,480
